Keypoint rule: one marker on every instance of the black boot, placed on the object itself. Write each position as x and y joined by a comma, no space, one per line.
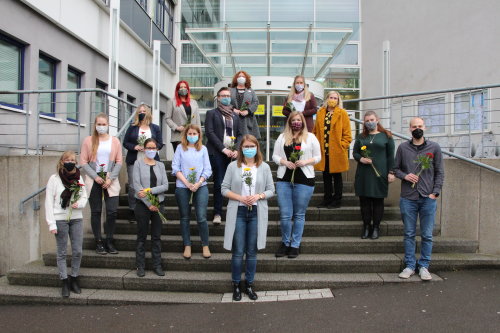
110,248
100,247
282,251
250,292
366,231
236,292
74,284
140,259
375,232
65,288
159,271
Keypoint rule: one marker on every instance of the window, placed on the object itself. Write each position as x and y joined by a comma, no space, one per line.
73,99
47,81
143,4
476,103
100,98
11,71
130,108
164,17
433,112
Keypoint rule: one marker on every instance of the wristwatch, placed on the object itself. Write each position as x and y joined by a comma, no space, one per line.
262,196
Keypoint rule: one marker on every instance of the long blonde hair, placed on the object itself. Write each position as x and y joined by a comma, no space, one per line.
288,133
148,118
184,141
65,155
307,93
325,102
95,135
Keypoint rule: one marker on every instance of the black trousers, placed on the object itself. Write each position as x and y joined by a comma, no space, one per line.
143,215
372,209
332,193
175,144
95,202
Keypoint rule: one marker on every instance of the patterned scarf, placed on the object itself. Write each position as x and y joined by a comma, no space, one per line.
299,97
67,179
227,112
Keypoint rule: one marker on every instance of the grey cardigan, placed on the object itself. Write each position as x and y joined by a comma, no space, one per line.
232,183
142,178
175,116
248,123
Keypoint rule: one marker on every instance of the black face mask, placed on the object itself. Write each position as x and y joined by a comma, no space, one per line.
141,116
69,166
417,133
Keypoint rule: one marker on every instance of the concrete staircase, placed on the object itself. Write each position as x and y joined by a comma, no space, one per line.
332,256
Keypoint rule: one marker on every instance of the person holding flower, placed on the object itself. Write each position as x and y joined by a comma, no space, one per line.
296,152
101,159
181,110
419,165
302,100
374,152
245,103
150,179
333,131
138,132
191,166
64,201
248,184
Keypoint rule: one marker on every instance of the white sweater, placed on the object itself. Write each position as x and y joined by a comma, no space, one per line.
310,148
53,210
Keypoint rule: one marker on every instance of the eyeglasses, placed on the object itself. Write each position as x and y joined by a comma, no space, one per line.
224,95
249,147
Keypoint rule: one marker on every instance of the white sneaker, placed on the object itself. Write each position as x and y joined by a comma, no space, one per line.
217,219
406,273
424,274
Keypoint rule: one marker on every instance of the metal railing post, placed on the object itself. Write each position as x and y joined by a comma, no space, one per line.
470,137
37,115
26,137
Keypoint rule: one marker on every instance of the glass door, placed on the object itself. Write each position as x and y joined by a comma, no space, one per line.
271,121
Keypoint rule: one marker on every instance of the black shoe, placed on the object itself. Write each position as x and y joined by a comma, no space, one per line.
140,272
74,285
324,204
293,252
366,231
250,292
110,248
236,292
65,288
335,204
100,248
282,251
375,232
159,271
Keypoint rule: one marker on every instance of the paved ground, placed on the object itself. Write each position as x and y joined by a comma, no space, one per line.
467,301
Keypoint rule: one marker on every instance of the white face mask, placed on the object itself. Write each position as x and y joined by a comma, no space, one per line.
101,129
241,80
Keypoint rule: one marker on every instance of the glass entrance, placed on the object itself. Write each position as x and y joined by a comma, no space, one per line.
271,121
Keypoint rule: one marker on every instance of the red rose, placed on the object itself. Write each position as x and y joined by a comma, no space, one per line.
247,103
431,155
143,132
81,185
297,147
102,164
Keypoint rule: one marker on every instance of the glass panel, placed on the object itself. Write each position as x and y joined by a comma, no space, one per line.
10,71
294,13
72,98
433,112
204,97
278,120
338,11
476,102
46,81
243,12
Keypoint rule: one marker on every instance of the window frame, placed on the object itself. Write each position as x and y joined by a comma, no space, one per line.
486,106
20,86
53,99
445,132
79,75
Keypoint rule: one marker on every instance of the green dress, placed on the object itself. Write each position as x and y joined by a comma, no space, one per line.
381,148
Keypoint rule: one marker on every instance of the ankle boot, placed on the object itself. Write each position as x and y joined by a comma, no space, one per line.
110,248
65,288
249,291
236,292
375,232
366,231
100,248
74,284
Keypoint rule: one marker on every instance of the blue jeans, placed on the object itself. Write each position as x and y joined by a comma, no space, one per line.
219,163
245,241
200,202
425,209
293,201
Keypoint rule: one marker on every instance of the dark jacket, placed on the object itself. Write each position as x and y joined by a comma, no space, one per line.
310,110
215,131
130,141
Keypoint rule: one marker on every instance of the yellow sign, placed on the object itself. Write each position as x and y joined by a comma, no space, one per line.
278,111
261,110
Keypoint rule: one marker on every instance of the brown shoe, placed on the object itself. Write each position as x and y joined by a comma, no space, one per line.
206,252
187,252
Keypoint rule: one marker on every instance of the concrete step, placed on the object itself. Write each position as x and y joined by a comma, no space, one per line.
311,229
309,245
312,214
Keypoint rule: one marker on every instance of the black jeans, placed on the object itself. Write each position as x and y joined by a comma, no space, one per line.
332,193
219,163
143,215
372,209
95,202
175,144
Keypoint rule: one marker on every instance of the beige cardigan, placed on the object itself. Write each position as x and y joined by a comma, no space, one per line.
175,116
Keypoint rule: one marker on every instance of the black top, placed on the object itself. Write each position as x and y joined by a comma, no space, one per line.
239,97
187,108
326,133
152,177
130,141
299,177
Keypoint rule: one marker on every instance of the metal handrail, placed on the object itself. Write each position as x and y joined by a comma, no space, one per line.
36,206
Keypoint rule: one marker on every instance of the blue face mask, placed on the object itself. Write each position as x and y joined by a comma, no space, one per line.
150,153
249,152
192,138
225,101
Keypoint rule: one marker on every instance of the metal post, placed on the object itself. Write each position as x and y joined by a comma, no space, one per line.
37,115
386,81
156,81
27,124
470,137
114,38
78,120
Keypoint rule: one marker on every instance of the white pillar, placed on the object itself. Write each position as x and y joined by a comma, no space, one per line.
155,105
386,84
113,67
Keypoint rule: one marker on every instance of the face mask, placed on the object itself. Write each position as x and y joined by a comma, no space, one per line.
150,153
225,101
417,133
69,166
296,125
249,152
142,116
332,103
370,125
241,80
183,92
192,138
101,129
299,87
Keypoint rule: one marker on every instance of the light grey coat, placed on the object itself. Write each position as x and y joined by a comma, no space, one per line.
233,183
248,124
142,180
175,116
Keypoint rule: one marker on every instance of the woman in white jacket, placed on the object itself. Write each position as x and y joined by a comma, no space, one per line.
65,198
295,151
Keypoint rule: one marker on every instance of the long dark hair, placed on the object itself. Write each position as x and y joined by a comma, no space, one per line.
380,128
258,156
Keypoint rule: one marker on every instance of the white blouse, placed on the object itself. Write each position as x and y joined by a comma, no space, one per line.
245,189
103,152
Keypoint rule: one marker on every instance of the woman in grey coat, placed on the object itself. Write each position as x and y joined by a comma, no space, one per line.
248,184
245,103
